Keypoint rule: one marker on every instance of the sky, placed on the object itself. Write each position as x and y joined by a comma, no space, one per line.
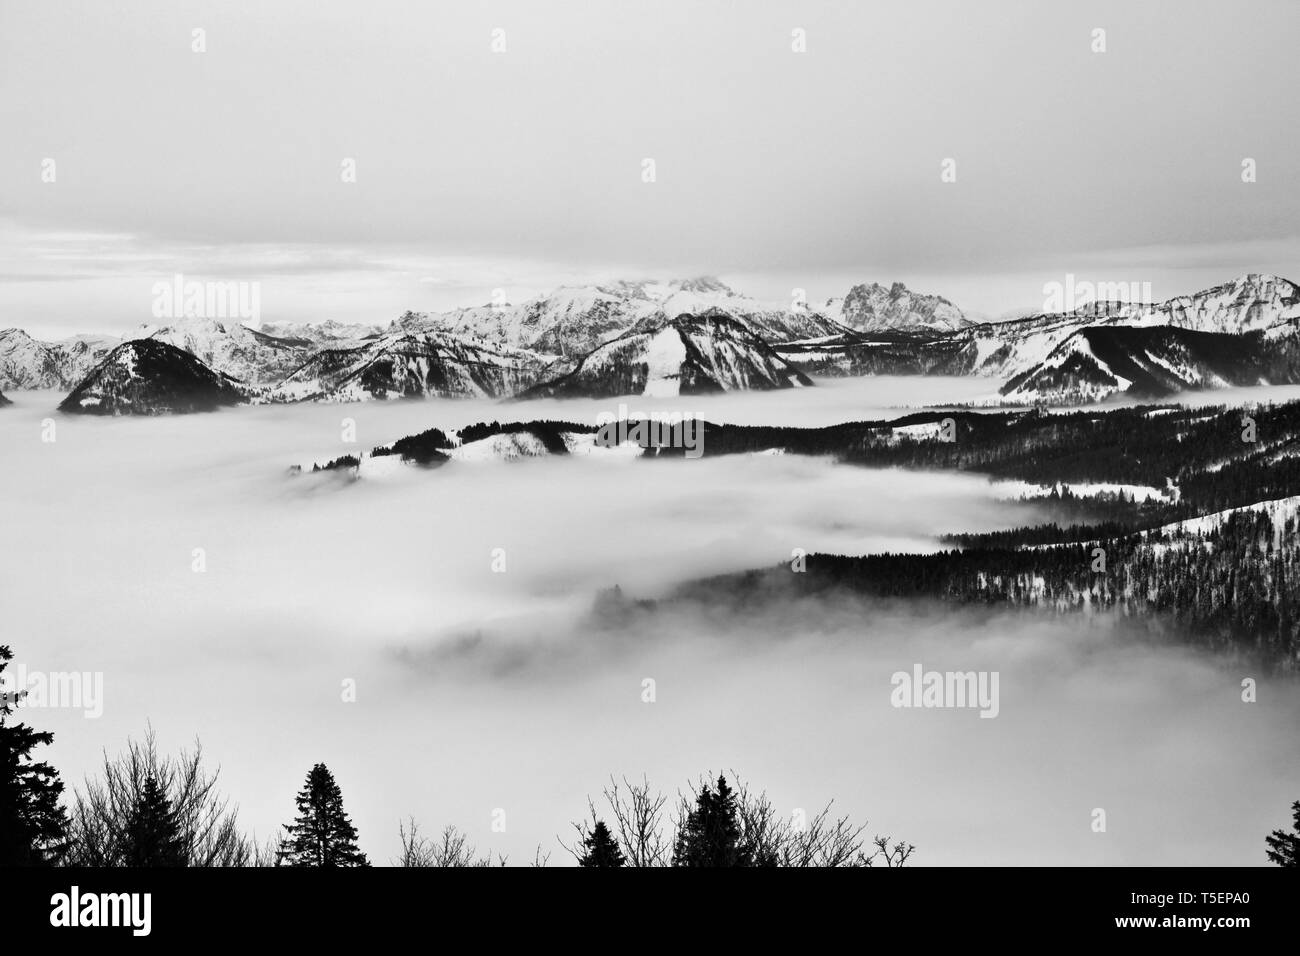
503,145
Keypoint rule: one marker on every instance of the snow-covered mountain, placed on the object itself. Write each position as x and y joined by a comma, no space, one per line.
561,339
329,332
874,308
1250,303
232,348
26,362
688,355
1148,361
407,365
573,320
1048,357
151,377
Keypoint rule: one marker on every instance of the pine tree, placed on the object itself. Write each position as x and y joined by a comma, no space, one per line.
711,834
322,835
1284,848
153,833
33,825
602,848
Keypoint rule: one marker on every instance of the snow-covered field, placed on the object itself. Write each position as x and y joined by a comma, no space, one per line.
479,690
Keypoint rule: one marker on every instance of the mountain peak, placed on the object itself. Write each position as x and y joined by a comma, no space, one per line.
151,377
702,284
873,308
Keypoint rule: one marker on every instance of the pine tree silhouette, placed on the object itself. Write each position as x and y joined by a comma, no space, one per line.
1284,848
322,835
33,825
602,848
153,833
711,834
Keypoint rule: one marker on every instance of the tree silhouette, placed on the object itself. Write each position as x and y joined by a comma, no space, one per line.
322,835
107,815
33,825
711,834
1284,848
602,848
153,834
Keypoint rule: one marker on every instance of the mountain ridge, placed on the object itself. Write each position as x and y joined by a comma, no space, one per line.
151,377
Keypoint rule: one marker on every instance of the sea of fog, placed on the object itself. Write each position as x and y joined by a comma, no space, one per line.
479,691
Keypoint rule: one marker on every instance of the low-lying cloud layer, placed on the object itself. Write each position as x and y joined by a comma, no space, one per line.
479,690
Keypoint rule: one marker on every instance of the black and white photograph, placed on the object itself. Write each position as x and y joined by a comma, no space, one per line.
557,434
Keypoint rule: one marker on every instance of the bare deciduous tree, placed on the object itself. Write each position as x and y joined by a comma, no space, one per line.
895,856
820,841
268,853
451,849
206,820
638,823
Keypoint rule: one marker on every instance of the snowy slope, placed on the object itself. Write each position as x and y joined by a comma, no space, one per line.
149,377
405,365
688,355
26,362
1148,361
1108,347
573,320
232,348
1249,303
321,333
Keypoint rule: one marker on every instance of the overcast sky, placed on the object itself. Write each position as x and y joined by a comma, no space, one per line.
523,169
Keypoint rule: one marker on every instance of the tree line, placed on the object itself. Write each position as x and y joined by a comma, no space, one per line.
145,809
1230,587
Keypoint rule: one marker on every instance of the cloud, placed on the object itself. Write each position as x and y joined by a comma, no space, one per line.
478,691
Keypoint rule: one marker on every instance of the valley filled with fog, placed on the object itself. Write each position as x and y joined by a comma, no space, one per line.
479,690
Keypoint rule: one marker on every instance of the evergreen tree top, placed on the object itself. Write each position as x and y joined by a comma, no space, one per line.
322,835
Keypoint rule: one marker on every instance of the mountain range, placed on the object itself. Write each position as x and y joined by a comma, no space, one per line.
1096,352
572,321
699,335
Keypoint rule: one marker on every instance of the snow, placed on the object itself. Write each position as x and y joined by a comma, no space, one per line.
499,448
918,432
1015,490
583,445
126,358
664,355
1186,533
1281,510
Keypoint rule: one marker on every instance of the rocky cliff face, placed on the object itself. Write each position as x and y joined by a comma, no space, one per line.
874,308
